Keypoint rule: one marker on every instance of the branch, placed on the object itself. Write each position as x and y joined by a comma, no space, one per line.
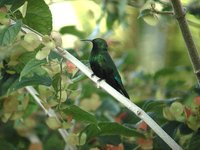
180,12
118,96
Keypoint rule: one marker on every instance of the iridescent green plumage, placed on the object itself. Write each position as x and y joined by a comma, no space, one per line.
103,66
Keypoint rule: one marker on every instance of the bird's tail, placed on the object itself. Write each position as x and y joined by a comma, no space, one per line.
123,91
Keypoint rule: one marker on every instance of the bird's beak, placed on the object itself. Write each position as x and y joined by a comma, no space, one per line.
87,40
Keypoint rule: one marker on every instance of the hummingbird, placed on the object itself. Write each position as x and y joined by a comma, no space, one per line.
103,66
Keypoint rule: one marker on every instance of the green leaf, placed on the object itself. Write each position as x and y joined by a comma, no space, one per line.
110,20
91,130
113,128
5,2
53,123
71,30
6,82
9,34
195,141
26,57
32,64
16,4
34,80
154,105
56,82
144,12
80,114
31,108
38,16
4,144
53,142
110,128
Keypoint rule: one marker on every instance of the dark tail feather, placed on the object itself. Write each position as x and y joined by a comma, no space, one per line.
123,91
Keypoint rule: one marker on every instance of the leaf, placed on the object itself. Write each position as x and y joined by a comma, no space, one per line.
79,114
184,129
38,16
32,64
28,81
5,2
31,41
53,142
31,108
110,128
144,12
53,123
110,20
75,139
195,141
43,53
153,105
113,128
4,144
6,82
56,82
177,108
16,4
72,30
9,34
10,104
26,57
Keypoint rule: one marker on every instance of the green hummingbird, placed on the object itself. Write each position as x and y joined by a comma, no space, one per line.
103,66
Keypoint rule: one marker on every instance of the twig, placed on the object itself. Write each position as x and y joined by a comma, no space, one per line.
118,96
192,50
50,112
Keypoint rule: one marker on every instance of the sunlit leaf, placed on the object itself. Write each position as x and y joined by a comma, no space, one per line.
30,42
151,19
72,30
38,16
53,123
43,53
176,108
168,114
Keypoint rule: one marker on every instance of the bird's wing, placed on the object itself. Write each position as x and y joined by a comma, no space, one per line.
112,74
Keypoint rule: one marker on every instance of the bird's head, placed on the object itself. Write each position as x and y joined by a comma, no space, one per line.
98,44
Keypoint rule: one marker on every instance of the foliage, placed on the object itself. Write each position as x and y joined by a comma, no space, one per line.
159,78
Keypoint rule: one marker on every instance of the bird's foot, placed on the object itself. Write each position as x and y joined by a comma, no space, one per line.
98,82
